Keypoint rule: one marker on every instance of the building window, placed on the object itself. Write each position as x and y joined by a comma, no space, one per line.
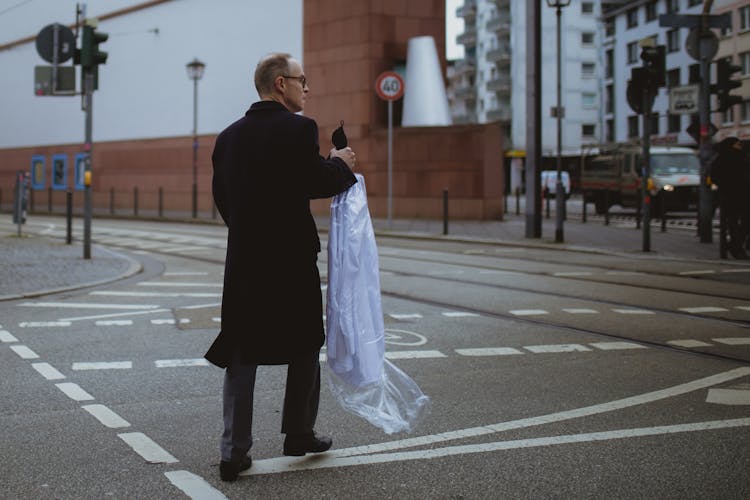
727,117
587,38
588,69
651,10
609,28
745,63
673,40
632,18
610,131
609,61
632,49
633,126
588,130
673,6
609,103
588,99
745,111
674,123
744,18
673,78
726,32
587,7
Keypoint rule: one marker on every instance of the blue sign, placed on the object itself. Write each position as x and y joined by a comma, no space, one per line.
38,172
60,172
80,170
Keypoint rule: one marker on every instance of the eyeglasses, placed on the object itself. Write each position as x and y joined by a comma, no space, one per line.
302,79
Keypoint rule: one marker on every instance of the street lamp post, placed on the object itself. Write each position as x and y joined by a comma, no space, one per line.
559,191
195,72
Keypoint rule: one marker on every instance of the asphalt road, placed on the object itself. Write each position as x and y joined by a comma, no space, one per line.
552,374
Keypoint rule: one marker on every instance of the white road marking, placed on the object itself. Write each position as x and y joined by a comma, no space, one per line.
202,306
327,460
114,315
166,321
173,363
406,316
733,340
572,273
74,391
47,371
147,448
736,271
632,311
743,308
688,343
193,486
179,284
459,314
114,322
185,273
706,309
489,351
153,294
728,396
528,312
612,346
556,348
43,324
414,354
87,305
106,416
586,411
5,336
575,310
24,352
103,365
705,271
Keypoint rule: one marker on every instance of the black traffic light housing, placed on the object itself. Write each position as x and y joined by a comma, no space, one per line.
654,61
724,84
89,57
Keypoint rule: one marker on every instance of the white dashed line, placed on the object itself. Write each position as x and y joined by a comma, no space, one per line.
614,346
24,352
528,312
147,448
74,391
459,314
688,343
110,365
736,271
703,271
489,351
6,337
406,316
707,309
556,348
153,294
162,322
414,354
572,273
114,322
734,340
48,371
43,324
632,311
106,416
174,363
193,486
87,305
574,310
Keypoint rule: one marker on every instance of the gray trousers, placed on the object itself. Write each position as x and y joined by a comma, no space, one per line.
300,403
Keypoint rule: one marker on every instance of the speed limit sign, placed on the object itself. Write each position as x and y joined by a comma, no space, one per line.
389,86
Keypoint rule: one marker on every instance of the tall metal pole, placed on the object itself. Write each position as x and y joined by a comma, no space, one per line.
390,162
648,101
88,96
534,120
705,204
559,193
195,148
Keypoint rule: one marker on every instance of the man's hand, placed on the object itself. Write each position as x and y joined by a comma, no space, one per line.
345,154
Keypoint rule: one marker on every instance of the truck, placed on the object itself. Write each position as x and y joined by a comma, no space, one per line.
611,175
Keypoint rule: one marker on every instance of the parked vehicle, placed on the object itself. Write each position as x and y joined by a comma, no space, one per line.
549,183
612,176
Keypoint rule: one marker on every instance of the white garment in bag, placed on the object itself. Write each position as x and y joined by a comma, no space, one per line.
360,377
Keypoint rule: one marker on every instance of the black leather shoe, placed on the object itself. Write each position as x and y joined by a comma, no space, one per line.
230,470
298,445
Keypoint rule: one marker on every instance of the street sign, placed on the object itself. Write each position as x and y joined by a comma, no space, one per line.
55,40
44,83
684,100
389,86
693,42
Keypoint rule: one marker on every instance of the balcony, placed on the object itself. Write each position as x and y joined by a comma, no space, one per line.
468,10
500,84
498,114
468,38
500,55
499,23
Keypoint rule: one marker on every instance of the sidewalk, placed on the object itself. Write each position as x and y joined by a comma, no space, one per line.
36,265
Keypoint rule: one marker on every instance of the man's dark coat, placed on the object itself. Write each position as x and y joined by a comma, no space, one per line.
267,167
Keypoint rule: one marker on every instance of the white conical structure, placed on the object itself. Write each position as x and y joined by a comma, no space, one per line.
425,100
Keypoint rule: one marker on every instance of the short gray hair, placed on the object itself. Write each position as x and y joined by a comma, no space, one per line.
269,69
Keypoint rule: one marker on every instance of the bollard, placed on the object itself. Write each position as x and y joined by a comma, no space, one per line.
583,213
111,201
69,216
638,211
518,201
445,211
606,207
161,202
135,201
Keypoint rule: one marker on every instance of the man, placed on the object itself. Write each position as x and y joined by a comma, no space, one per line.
728,171
267,167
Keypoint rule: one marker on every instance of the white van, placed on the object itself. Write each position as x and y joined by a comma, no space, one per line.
549,183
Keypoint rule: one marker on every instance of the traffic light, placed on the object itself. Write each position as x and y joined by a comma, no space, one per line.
654,61
724,84
91,56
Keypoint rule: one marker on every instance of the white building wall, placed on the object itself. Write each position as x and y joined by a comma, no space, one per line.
144,90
